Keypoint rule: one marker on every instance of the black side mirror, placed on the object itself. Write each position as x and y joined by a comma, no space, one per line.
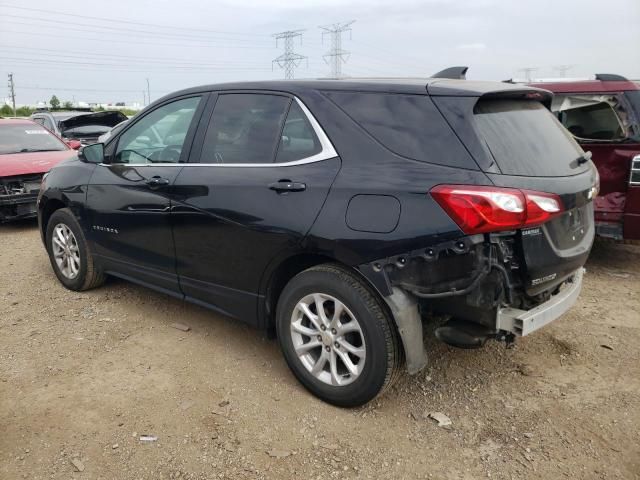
92,153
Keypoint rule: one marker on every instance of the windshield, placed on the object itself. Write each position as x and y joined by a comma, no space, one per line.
526,139
28,138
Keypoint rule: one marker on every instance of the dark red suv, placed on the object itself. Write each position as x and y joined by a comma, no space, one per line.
604,117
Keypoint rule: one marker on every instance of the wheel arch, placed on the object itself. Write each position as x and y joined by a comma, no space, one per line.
289,267
50,206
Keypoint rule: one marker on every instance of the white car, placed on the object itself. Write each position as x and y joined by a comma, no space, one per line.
107,135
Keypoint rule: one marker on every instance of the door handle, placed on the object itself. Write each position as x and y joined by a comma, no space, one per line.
282,186
157,182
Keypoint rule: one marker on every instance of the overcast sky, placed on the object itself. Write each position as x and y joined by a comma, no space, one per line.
99,51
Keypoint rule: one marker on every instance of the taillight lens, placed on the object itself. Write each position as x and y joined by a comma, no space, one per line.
479,209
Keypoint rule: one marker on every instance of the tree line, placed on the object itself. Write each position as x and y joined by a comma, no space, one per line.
55,104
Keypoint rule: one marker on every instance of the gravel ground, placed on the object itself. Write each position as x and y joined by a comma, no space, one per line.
84,375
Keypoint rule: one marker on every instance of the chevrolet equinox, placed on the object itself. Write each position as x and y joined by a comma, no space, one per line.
337,214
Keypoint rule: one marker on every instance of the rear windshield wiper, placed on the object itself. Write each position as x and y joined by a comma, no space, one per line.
584,158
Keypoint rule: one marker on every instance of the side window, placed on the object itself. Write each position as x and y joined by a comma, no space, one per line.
39,120
244,128
298,139
592,117
408,125
159,136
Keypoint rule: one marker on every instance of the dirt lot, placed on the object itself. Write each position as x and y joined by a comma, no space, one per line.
84,375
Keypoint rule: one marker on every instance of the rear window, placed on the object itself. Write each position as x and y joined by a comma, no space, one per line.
525,138
408,125
597,117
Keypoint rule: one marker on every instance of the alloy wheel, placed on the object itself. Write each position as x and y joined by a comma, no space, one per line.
65,251
328,339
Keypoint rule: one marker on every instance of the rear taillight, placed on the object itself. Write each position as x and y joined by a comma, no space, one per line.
479,209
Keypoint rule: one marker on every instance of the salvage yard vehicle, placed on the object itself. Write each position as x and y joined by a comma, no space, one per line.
27,151
604,116
112,131
85,127
337,214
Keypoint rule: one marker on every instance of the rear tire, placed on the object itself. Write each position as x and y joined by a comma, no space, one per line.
345,359
70,254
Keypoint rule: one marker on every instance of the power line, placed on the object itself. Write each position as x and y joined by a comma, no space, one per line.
229,42
527,72
394,53
336,56
95,90
128,22
126,41
126,61
110,28
289,60
562,69
121,65
47,53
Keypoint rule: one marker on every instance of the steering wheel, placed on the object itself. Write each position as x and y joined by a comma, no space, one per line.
170,154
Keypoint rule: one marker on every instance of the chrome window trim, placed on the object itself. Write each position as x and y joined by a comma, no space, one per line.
635,168
326,153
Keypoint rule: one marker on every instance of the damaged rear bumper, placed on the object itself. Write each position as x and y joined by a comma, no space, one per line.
481,283
524,322
15,207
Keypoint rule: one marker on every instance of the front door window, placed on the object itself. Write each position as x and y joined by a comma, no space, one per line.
159,136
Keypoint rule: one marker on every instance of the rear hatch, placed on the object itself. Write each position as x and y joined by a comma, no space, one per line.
88,127
518,143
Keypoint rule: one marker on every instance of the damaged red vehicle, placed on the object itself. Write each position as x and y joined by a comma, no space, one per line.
27,152
603,115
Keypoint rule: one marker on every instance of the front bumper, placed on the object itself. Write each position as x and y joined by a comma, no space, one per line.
524,322
15,207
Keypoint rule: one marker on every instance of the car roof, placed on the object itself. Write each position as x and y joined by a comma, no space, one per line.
18,121
587,86
431,86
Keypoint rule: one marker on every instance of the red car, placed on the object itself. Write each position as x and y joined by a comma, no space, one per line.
27,152
604,116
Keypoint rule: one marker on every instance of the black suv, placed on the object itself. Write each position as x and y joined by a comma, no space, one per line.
337,214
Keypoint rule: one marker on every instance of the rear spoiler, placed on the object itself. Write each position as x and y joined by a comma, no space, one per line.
610,77
537,94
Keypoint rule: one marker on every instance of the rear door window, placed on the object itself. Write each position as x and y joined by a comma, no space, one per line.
245,128
298,140
526,139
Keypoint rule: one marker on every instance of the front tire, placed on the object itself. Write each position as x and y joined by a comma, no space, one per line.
336,337
70,254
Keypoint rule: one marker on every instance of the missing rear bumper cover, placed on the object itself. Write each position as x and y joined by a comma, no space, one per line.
523,322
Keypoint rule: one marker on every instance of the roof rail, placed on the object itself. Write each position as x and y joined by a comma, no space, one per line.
610,77
454,73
